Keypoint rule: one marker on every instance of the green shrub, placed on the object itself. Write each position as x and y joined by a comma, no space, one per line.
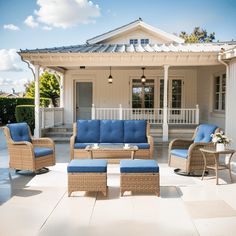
25,113
8,106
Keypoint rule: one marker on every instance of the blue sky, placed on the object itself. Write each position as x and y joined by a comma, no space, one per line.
49,23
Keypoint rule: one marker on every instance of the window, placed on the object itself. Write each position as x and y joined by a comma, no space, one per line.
220,85
144,41
133,41
143,95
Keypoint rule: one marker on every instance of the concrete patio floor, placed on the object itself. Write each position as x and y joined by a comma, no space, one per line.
38,205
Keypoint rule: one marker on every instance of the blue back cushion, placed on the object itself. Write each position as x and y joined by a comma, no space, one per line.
204,132
88,131
112,131
135,131
19,132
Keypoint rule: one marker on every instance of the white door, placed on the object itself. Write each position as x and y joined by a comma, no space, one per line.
84,99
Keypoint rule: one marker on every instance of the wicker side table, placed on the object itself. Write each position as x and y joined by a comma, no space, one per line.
139,176
217,166
87,175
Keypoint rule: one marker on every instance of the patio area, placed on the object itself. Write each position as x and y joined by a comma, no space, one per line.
38,205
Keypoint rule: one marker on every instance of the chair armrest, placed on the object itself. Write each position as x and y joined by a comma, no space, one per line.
198,145
43,142
72,143
180,143
151,143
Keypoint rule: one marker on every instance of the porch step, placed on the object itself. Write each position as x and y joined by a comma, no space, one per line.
59,134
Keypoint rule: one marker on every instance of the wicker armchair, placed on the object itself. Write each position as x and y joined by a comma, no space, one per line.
185,154
26,152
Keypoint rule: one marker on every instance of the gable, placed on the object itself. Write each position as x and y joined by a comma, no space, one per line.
135,30
136,34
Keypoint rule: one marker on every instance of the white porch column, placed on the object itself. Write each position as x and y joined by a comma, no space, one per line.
165,105
62,90
37,130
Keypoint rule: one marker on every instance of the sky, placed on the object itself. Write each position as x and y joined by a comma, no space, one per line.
51,23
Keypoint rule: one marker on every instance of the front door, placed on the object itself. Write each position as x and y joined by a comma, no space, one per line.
84,100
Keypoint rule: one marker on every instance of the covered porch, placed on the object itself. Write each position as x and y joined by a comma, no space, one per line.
180,87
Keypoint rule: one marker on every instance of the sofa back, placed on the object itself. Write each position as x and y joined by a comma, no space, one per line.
111,131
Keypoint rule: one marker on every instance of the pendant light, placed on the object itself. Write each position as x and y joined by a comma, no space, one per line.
110,79
143,77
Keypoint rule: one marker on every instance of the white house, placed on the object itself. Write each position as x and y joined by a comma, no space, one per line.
182,83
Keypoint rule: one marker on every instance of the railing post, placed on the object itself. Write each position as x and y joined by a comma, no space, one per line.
120,112
93,112
197,114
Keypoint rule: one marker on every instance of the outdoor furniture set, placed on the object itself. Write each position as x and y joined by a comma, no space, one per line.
108,139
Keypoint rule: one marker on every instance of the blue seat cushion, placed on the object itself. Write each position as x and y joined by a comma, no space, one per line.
141,145
81,145
42,151
139,166
88,131
19,132
112,131
135,131
180,153
204,132
87,165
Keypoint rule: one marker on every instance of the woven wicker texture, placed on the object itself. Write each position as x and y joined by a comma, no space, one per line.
22,153
87,182
194,162
140,182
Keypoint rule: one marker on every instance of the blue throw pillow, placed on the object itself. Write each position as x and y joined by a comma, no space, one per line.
135,131
88,131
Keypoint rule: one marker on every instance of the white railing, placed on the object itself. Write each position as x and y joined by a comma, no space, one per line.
153,116
51,117
183,115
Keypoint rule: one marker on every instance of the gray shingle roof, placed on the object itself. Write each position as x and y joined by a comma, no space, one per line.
137,48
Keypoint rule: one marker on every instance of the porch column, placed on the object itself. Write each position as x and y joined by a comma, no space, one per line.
37,130
62,90
165,105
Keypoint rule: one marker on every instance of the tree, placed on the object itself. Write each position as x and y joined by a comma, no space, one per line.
197,36
49,87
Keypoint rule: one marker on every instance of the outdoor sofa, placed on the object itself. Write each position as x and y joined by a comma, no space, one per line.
111,132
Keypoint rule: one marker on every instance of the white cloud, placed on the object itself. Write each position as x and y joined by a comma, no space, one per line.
47,28
66,13
17,83
9,60
11,27
30,21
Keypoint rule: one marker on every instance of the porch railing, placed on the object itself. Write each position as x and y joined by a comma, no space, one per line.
153,116
51,117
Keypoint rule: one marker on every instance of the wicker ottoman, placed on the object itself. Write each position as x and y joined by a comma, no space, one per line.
87,175
139,176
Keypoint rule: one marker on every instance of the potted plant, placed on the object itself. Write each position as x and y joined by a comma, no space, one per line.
220,140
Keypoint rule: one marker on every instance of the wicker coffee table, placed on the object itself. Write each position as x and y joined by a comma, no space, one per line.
111,148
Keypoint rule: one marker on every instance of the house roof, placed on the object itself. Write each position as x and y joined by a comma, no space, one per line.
131,26
137,48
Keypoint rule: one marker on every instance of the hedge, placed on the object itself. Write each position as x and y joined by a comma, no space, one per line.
25,113
8,106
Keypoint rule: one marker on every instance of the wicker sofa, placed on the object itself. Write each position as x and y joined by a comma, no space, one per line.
185,154
114,132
